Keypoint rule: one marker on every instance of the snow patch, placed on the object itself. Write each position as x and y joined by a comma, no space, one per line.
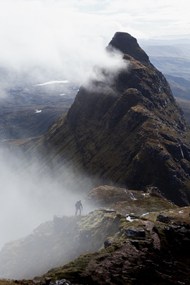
128,218
132,196
53,82
38,111
131,217
145,194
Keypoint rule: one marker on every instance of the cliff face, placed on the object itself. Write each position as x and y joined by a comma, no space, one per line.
129,130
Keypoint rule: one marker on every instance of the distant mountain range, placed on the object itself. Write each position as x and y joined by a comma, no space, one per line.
172,57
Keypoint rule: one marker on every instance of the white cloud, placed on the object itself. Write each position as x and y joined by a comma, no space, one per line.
53,36
69,37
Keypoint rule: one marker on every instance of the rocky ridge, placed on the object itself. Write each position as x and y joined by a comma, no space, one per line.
129,130
145,251
117,246
59,241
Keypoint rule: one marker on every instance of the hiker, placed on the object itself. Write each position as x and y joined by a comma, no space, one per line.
78,208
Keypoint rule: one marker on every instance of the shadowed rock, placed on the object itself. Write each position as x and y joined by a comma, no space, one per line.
129,130
127,44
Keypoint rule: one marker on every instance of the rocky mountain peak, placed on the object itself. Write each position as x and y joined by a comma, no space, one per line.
128,130
127,44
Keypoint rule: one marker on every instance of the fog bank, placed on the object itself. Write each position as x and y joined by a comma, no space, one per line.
30,197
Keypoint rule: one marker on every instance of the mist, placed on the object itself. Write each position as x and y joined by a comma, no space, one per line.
45,42
30,196
51,41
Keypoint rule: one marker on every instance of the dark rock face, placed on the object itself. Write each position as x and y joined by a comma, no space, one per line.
128,45
129,130
163,219
135,233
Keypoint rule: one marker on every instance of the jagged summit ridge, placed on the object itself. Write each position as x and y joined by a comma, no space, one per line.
129,130
127,44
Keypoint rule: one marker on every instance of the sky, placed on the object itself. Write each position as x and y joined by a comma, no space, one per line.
68,37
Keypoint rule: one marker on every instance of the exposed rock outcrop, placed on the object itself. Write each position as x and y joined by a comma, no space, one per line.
129,130
57,242
126,201
144,251
115,247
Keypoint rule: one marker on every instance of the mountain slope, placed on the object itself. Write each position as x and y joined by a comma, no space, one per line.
145,251
129,130
148,248
57,242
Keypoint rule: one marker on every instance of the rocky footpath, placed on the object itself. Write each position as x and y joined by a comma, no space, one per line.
128,130
119,242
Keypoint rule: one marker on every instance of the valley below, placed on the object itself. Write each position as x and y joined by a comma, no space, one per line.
28,111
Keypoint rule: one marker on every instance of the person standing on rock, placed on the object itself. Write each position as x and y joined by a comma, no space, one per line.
78,208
